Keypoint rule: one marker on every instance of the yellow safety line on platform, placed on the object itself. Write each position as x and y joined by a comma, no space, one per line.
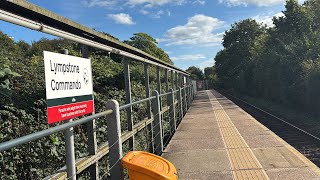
244,163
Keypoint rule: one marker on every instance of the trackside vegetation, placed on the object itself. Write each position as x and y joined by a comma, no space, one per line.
280,63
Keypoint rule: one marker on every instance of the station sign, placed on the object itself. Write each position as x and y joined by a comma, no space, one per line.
69,86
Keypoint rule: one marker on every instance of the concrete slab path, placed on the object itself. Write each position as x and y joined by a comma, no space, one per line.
218,140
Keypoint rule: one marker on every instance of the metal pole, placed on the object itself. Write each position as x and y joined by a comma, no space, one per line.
166,77
190,95
184,100
69,145
91,132
114,141
172,112
180,103
127,80
157,123
159,91
147,85
177,87
187,93
158,80
177,82
172,80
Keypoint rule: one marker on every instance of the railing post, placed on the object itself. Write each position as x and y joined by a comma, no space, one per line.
191,89
172,80
172,112
167,82
159,83
177,82
177,88
180,103
91,131
184,100
69,145
159,91
114,141
158,80
127,80
147,85
187,93
157,123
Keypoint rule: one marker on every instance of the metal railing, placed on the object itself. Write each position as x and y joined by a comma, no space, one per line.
115,137
178,98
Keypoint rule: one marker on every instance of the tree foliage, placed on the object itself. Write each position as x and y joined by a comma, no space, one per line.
148,44
279,63
196,73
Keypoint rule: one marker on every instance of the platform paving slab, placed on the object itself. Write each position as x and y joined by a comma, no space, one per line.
198,134
218,140
197,161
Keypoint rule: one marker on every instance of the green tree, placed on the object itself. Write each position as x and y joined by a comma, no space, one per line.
233,61
211,75
148,44
279,63
196,73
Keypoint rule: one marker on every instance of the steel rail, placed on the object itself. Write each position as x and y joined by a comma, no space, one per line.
266,112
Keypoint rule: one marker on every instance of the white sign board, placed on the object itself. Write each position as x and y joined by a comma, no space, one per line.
69,86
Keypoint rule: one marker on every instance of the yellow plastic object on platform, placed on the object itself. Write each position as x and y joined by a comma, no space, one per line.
147,166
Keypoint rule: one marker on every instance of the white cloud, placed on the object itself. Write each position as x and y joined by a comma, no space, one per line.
267,19
252,2
152,3
158,14
99,3
132,3
144,12
198,30
168,13
201,2
122,18
189,57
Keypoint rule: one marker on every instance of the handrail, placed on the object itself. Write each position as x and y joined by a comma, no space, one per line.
47,132
135,103
34,136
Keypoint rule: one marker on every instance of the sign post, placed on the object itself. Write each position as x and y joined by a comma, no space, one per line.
69,86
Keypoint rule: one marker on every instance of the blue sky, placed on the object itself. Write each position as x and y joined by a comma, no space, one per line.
190,31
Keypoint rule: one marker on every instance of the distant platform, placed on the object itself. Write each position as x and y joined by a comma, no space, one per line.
218,140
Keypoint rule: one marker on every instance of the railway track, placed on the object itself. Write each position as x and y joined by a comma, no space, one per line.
303,141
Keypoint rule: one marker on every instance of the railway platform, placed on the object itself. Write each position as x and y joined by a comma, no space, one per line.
218,140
